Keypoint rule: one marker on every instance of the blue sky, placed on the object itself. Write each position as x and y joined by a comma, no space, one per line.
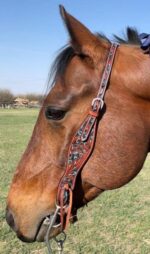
31,32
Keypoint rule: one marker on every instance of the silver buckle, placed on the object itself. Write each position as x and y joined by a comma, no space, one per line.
97,99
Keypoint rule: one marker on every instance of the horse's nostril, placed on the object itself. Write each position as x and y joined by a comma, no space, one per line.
10,219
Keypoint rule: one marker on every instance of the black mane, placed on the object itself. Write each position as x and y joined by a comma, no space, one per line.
60,63
130,37
67,52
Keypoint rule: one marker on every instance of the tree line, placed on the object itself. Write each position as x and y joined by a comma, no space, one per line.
7,97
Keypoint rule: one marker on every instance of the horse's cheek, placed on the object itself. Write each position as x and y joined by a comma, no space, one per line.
118,156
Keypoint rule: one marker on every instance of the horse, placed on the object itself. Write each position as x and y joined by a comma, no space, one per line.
122,136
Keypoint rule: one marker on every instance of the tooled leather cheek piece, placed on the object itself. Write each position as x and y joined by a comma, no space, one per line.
82,145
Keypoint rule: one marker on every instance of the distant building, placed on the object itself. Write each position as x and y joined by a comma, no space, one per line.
34,104
21,102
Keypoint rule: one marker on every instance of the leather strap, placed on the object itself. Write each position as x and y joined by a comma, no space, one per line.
82,145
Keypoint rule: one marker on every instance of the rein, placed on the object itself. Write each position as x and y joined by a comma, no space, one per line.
80,149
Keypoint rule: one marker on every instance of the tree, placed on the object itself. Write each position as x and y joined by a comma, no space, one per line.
6,97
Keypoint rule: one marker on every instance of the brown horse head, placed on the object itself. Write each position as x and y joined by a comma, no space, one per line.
123,134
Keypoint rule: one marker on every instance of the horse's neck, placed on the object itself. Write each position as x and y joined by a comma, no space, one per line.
137,74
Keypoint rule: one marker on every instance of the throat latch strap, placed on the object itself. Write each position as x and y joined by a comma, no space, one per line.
82,145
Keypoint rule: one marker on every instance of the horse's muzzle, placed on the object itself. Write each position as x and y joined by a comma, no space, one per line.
11,222
41,229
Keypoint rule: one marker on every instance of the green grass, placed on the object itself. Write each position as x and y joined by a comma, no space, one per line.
117,222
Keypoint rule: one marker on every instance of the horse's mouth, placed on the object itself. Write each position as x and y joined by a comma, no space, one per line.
55,230
43,228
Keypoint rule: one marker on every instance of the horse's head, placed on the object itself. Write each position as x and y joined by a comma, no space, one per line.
33,191
123,130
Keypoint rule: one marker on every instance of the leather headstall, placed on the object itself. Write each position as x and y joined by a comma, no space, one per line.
82,145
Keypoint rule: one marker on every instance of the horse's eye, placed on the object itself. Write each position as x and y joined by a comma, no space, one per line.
54,114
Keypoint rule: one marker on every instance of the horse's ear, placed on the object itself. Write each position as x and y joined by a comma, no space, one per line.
82,40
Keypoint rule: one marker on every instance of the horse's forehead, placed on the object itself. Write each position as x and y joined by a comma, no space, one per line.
76,74
77,70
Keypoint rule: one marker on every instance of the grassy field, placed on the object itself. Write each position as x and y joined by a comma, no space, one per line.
118,222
